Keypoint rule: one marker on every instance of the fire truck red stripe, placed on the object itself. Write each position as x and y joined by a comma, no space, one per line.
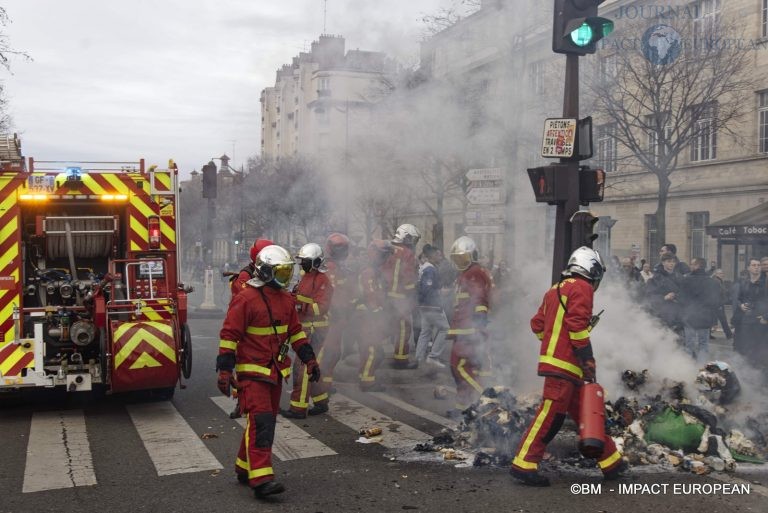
23,362
99,179
6,351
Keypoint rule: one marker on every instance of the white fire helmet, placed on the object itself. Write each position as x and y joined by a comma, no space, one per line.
406,234
588,263
274,266
463,252
310,256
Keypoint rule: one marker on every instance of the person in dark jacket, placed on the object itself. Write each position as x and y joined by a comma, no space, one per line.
681,269
700,299
725,298
434,324
662,293
750,312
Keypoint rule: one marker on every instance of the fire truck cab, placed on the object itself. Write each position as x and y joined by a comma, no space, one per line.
90,290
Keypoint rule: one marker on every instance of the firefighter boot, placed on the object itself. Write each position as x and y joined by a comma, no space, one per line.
529,478
617,473
290,414
318,409
268,488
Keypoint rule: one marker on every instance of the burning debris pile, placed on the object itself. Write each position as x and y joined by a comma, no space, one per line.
666,427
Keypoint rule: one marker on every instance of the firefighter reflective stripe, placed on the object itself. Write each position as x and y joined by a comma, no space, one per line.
260,472
321,397
610,460
467,377
403,338
461,331
481,308
268,330
314,324
519,460
304,299
557,327
14,358
252,367
296,337
579,335
304,392
562,364
131,336
241,464
228,344
285,372
540,335
315,309
365,376
395,278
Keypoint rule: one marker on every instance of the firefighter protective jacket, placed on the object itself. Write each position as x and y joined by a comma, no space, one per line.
248,332
473,296
371,293
343,284
313,299
400,273
563,325
238,283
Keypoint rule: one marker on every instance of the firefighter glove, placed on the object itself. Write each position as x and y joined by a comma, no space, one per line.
226,382
590,370
313,371
305,353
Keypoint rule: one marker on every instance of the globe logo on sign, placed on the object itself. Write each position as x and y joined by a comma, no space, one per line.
661,44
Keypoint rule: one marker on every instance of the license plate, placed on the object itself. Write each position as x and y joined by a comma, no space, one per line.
43,184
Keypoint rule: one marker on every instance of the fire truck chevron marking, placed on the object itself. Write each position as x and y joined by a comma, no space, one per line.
14,358
158,335
145,360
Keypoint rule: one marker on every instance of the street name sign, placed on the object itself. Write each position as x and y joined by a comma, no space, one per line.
486,196
490,173
559,138
485,215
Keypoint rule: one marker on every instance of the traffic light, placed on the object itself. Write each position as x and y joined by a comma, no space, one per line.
591,185
577,28
549,183
209,180
582,225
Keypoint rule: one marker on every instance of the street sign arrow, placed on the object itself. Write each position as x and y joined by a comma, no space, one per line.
486,196
491,173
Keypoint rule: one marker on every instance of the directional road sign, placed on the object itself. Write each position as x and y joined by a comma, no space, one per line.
490,173
485,215
486,196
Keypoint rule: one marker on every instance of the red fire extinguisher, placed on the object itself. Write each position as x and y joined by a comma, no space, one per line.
592,420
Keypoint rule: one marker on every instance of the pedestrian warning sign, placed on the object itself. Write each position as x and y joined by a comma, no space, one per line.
559,138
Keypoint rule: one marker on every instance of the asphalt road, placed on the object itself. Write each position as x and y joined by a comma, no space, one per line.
134,469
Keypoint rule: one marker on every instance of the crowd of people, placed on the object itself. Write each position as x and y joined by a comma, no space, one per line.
693,300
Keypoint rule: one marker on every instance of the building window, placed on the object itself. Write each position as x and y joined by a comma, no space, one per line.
704,143
706,18
655,143
697,236
536,77
765,19
652,238
606,147
324,84
762,120
609,69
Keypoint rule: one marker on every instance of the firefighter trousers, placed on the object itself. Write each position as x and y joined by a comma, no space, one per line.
560,397
260,403
470,367
371,340
402,329
328,358
301,385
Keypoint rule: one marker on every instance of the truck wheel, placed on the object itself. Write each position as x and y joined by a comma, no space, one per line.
186,352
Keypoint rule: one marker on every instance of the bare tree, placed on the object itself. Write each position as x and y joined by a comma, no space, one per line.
6,50
670,97
448,16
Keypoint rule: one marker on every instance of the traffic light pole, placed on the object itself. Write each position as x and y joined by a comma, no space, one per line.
563,240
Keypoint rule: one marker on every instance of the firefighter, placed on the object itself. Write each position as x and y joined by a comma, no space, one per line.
260,325
371,314
313,296
469,360
563,323
238,282
400,274
336,251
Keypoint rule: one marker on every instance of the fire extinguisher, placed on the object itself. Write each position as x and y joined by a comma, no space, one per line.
591,420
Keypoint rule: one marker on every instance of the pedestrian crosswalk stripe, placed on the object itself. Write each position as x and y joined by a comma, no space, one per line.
291,442
396,435
58,452
171,443
421,412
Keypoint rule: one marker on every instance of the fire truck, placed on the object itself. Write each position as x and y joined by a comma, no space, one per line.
90,295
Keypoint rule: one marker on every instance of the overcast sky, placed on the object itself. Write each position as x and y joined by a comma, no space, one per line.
120,80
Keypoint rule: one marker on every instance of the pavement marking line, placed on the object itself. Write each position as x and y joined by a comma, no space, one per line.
753,488
426,414
58,452
396,435
291,442
172,445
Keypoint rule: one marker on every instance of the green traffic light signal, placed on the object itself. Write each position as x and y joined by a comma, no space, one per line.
582,36
590,31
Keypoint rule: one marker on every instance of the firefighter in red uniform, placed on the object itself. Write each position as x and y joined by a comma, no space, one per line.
246,273
313,296
342,279
261,324
563,324
469,361
371,315
399,275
